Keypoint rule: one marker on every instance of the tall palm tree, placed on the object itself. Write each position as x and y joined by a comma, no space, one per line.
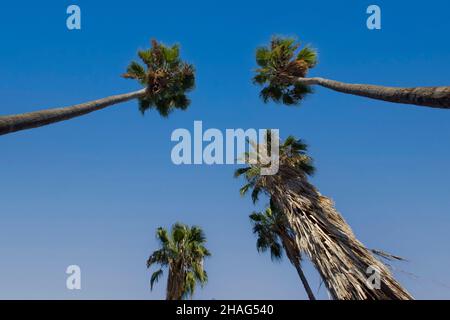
182,252
343,262
165,78
283,70
274,234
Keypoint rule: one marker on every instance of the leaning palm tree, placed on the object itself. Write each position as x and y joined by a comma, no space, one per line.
283,70
182,252
166,80
273,233
321,233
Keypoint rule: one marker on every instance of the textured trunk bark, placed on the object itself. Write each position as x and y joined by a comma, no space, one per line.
12,123
434,97
344,263
175,283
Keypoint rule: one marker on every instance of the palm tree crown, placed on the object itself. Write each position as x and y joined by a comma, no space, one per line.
292,154
167,79
280,64
182,251
267,226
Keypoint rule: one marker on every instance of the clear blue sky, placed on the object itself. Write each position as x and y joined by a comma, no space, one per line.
92,191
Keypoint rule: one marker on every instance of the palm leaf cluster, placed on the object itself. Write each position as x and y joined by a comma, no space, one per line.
274,234
320,231
279,65
182,251
293,153
267,226
166,78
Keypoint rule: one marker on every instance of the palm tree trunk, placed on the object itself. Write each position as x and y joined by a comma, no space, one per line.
344,263
175,282
434,97
12,123
294,256
304,281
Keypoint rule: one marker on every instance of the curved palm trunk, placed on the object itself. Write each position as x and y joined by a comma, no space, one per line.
12,123
294,256
434,97
343,262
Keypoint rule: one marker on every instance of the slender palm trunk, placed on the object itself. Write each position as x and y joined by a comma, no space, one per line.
12,123
434,97
293,254
304,280
344,263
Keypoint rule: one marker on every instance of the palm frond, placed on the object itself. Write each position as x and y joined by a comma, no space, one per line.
279,67
166,77
308,55
155,277
240,171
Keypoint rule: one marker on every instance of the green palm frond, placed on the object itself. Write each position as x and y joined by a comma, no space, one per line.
256,217
135,71
255,193
240,171
155,277
196,235
163,236
276,251
189,285
146,57
200,275
292,153
268,226
243,191
166,77
279,67
253,172
308,55
263,56
161,256
179,232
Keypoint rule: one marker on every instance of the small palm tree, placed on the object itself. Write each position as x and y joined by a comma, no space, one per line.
182,252
320,231
283,70
274,234
165,77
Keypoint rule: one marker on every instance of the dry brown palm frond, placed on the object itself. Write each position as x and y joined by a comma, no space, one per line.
343,262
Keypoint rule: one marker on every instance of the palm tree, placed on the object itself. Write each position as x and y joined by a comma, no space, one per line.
274,234
283,69
343,262
182,252
165,78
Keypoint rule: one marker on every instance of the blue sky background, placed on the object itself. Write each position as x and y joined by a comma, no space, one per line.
91,191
